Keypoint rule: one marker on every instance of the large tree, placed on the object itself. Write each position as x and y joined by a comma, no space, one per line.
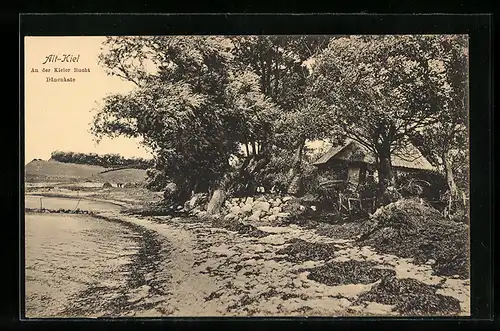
445,143
190,107
383,89
281,63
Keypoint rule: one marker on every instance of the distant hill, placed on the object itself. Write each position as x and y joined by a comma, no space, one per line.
121,176
54,171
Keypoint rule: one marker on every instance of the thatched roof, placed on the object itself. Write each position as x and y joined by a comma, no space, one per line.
352,151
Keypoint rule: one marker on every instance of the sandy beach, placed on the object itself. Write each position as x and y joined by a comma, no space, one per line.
118,265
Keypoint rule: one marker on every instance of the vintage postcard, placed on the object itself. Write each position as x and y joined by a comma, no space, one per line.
189,176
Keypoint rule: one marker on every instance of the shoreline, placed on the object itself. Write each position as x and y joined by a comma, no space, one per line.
76,197
194,279
143,280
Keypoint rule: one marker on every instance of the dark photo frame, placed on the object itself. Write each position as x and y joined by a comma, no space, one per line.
478,27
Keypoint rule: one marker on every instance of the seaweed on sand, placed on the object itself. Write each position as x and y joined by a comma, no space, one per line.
300,250
349,272
409,229
411,297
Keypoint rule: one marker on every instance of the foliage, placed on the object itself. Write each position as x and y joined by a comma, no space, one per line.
193,111
235,112
445,142
282,66
383,89
106,160
427,185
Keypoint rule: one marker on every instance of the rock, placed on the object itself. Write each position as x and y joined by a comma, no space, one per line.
297,282
230,217
261,198
276,203
275,210
255,217
235,210
272,218
261,206
216,202
313,208
285,199
247,208
282,215
430,262
235,201
249,200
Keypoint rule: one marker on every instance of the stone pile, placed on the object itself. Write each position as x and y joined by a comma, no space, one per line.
256,210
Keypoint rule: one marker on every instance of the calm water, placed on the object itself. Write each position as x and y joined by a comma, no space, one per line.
74,260
33,201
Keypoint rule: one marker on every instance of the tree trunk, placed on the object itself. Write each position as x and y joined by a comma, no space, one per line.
385,174
450,179
215,203
294,186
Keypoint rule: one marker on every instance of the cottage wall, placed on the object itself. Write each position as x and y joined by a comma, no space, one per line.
334,171
353,174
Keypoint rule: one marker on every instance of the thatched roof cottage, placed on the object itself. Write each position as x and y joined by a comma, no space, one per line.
353,162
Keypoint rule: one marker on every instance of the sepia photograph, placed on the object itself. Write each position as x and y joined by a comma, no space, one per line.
246,175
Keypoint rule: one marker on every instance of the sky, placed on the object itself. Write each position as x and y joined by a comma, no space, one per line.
58,114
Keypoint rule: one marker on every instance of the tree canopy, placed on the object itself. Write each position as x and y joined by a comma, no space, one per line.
193,110
215,108
383,90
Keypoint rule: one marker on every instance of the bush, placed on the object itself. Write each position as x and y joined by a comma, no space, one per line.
424,184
